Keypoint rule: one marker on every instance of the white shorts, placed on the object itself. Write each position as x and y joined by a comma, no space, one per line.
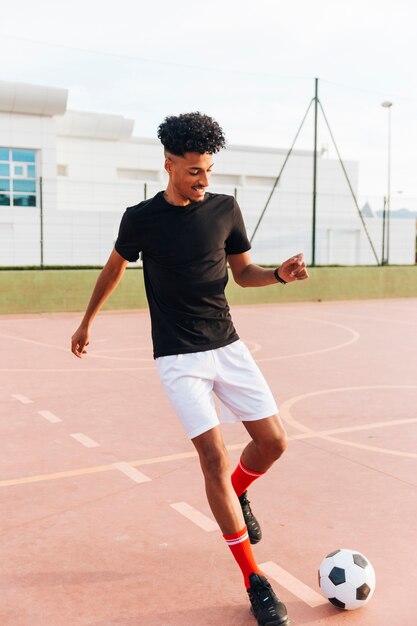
231,373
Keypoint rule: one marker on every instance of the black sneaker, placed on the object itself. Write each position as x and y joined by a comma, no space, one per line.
266,607
254,530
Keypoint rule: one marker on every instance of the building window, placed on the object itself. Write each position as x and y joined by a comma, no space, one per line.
132,174
260,181
62,170
17,177
225,179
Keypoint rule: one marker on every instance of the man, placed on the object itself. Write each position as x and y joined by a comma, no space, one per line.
186,236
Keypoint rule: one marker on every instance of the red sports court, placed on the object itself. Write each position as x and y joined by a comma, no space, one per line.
102,497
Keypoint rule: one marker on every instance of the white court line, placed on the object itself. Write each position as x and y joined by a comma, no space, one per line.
201,520
121,349
380,319
67,350
355,337
49,416
36,343
78,370
91,354
84,440
133,473
22,399
285,412
306,434
294,586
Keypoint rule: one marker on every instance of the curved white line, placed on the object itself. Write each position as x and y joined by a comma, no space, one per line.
147,359
380,319
255,348
285,413
138,348
37,343
355,337
68,350
80,369
253,345
362,446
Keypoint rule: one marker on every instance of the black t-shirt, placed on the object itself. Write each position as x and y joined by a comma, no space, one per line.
184,252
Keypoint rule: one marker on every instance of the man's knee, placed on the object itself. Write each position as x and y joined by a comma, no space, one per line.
269,437
274,447
214,461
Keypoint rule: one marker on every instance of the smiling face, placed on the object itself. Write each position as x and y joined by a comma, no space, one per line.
189,177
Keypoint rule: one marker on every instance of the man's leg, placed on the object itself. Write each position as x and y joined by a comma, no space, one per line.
214,460
267,445
269,441
225,506
215,464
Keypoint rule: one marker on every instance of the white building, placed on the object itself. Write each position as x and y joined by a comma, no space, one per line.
67,176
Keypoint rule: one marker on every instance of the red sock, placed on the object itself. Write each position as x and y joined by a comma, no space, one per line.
242,551
242,477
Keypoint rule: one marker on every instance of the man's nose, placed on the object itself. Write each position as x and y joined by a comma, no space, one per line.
204,179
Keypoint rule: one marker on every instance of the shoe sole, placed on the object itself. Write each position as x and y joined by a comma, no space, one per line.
254,541
285,621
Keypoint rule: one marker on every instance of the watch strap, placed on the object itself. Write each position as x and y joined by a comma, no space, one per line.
278,277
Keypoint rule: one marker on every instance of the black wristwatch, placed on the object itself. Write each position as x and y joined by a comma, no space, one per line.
278,277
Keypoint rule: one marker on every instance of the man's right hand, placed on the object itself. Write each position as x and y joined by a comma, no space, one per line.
107,282
79,340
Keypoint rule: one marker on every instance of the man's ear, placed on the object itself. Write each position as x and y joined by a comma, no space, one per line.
168,165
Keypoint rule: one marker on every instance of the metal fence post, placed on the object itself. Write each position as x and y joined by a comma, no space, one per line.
313,233
41,216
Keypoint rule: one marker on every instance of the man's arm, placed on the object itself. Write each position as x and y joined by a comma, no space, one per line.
246,274
107,282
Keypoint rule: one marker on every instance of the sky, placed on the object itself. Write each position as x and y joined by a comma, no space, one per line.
251,65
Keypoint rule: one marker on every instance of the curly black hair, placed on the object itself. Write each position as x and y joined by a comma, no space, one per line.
191,132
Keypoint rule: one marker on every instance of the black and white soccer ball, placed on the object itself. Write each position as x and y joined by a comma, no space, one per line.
347,579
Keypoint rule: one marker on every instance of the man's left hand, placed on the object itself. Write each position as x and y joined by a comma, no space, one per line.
293,269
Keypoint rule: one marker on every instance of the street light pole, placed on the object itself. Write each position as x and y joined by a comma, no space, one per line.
387,105
313,230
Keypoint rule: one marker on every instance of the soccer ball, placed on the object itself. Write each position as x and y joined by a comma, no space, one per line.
347,579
